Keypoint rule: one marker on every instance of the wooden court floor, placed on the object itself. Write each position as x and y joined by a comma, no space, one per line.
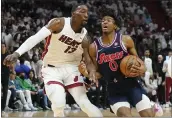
73,113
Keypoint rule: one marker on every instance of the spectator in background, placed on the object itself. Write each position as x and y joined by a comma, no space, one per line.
33,52
26,62
17,38
12,89
159,65
160,75
148,61
21,93
57,12
35,83
166,50
168,80
36,65
147,16
151,85
7,39
22,68
30,90
4,77
162,38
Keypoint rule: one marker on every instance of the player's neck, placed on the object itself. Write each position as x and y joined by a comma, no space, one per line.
108,38
75,26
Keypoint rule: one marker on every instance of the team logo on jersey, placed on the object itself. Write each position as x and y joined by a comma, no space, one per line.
72,44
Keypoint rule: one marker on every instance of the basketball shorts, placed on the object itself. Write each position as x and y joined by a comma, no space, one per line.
67,76
135,97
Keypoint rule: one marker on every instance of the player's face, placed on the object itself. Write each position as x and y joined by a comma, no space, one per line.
81,14
108,24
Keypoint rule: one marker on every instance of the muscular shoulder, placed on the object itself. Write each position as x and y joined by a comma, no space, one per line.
55,25
126,38
128,41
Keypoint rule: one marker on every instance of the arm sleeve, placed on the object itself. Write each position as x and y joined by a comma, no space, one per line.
33,40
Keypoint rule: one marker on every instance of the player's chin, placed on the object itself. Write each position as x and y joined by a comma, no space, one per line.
105,32
84,23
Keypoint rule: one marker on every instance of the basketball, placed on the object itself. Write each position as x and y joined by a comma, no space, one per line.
127,63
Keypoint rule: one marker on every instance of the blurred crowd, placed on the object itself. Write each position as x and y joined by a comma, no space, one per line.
167,6
23,18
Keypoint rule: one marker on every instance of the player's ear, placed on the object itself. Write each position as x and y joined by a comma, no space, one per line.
73,13
115,27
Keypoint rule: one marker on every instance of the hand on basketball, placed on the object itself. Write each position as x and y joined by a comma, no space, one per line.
10,59
137,70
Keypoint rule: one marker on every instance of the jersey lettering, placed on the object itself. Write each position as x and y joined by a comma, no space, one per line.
110,58
72,44
113,65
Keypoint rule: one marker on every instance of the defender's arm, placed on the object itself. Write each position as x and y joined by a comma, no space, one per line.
89,64
53,26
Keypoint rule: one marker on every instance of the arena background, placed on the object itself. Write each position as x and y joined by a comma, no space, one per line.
148,22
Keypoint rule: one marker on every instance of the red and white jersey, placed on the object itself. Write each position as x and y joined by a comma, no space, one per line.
64,47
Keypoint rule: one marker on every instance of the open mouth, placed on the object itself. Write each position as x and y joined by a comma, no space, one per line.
105,28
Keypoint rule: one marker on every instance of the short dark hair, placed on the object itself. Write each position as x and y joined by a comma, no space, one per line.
109,12
74,8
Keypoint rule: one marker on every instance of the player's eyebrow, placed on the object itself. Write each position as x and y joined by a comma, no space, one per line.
108,18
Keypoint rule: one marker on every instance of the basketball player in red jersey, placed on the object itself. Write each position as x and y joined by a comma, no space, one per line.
66,40
107,53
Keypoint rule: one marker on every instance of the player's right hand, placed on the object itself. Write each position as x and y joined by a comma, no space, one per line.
10,59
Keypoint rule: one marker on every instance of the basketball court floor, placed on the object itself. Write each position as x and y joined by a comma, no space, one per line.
73,113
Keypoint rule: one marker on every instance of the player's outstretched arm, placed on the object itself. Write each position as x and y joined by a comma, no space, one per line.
52,26
129,44
91,68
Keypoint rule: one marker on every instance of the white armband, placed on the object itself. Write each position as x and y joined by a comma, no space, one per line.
33,40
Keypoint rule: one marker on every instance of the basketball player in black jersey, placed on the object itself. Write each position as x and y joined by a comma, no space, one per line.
107,53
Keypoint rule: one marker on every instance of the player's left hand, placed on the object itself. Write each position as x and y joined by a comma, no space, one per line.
137,70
